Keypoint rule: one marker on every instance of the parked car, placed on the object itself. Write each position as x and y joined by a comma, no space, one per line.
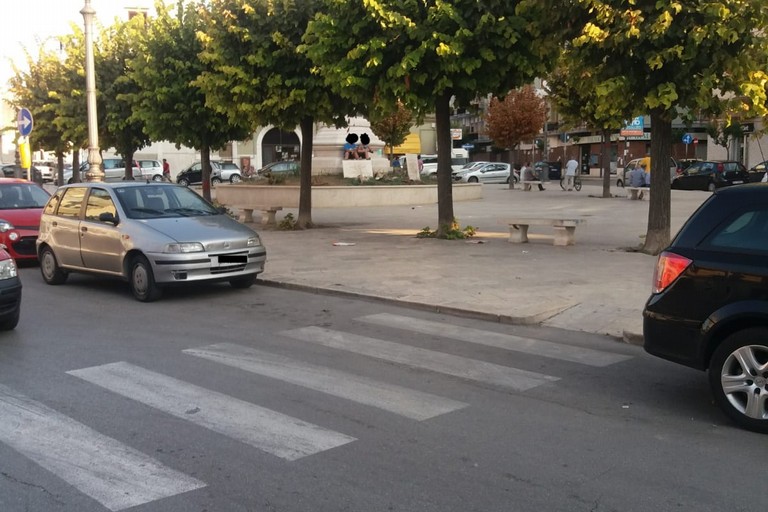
684,163
623,176
13,170
150,234
10,292
286,167
709,306
430,165
757,173
21,204
492,172
151,170
114,170
220,171
46,170
711,175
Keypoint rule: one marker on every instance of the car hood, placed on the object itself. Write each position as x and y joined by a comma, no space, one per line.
23,218
205,229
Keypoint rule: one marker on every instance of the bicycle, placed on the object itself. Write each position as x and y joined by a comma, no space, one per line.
576,182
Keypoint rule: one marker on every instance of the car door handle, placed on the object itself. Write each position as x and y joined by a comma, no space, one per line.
83,229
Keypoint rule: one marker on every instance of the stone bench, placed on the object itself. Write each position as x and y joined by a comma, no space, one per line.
633,192
565,229
267,214
528,185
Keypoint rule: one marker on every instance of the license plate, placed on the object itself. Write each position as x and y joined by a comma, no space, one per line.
232,259
737,182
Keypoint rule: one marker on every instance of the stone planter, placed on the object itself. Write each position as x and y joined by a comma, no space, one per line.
340,196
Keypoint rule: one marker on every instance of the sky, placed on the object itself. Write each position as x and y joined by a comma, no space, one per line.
28,22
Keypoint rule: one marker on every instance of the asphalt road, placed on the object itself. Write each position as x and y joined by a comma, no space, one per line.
216,399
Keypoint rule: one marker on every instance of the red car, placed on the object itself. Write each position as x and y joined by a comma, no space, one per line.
21,204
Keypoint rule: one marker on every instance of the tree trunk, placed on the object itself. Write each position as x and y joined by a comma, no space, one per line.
659,211
205,162
128,156
512,171
59,178
305,174
75,168
445,216
606,163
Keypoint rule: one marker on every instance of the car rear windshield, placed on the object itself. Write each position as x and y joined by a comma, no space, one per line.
155,201
19,196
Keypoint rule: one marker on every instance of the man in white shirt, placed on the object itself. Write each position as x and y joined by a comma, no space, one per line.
570,173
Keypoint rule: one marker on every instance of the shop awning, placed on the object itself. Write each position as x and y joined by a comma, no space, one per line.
412,144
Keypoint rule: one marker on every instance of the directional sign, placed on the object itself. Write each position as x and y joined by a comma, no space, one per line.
468,146
24,122
687,138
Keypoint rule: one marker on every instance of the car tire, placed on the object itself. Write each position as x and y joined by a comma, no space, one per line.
711,187
157,177
11,323
142,280
235,178
49,267
241,283
726,371
70,181
216,180
472,179
183,181
507,180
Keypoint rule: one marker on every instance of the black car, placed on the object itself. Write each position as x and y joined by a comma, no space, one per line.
553,169
709,306
711,175
10,292
757,172
220,171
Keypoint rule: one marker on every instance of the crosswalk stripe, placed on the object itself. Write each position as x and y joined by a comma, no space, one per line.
103,468
519,380
399,400
499,340
267,430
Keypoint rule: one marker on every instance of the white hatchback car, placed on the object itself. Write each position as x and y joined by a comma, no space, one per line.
490,172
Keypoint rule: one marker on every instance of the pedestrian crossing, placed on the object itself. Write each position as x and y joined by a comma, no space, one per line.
119,477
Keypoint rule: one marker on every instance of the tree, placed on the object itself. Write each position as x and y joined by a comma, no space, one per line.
673,57
425,54
392,128
256,74
168,103
581,97
118,90
520,116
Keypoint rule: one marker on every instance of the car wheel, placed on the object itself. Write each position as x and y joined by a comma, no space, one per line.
235,178
738,376
183,181
143,284
711,187
49,267
473,179
241,283
11,322
70,181
157,177
216,180
507,180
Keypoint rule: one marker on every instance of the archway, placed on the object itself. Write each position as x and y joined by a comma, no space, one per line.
278,145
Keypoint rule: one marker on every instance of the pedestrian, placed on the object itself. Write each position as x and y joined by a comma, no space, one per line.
395,164
350,147
166,170
364,150
571,166
637,178
421,163
527,173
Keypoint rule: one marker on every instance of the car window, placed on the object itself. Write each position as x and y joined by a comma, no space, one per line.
154,201
747,230
53,202
99,202
71,202
228,166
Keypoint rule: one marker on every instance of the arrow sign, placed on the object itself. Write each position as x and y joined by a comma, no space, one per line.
687,139
24,122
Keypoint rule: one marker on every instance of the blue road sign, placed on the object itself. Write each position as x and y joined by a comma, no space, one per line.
468,146
24,122
687,138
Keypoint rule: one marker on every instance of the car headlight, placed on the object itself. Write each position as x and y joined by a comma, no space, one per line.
5,226
184,247
254,241
7,269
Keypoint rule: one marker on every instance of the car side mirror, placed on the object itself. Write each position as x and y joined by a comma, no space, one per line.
108,217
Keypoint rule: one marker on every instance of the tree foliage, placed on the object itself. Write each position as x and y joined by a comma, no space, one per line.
167,102
256,74
671,57
519,117
426,53
392,127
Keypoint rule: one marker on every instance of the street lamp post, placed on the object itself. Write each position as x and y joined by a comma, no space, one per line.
94,172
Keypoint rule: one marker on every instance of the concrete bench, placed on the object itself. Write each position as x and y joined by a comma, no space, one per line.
565,229
267,214
527,185
634,192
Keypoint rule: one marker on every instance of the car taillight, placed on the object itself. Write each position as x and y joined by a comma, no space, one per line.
668,268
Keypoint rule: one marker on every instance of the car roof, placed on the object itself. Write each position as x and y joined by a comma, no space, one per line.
117,184
7,181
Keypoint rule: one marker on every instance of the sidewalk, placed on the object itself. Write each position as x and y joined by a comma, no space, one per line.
594,286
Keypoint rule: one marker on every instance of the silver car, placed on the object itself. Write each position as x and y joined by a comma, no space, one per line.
491,172
150,234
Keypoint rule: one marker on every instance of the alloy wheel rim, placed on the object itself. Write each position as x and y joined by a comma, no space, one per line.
744,380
